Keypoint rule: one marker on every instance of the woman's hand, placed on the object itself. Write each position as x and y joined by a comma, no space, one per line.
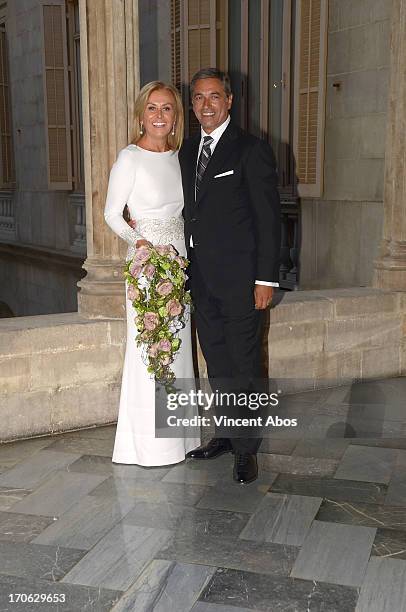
132,223
141,243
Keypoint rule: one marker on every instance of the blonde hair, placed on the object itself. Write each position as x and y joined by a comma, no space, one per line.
174,141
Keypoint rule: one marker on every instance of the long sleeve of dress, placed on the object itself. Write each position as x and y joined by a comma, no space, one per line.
121,182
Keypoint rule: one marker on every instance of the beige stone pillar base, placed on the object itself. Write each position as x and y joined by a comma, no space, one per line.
102,291
390,268
102,304
394,280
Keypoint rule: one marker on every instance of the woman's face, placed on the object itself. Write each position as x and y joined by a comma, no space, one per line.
159,115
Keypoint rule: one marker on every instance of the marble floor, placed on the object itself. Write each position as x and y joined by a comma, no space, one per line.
322,529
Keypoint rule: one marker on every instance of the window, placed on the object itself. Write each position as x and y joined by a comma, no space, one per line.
175,43
310,77
56,85
260,47
7,167
199,40
75,95
63,95
275,51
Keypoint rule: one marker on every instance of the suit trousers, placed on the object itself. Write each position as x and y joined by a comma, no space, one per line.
230,333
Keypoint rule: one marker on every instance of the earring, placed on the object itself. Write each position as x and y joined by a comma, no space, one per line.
141,128
173,129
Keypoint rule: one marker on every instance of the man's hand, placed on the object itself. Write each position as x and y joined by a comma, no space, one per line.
262,296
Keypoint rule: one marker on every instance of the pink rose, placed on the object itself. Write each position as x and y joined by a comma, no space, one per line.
151,320
172,252
181,261
153,350
135,269
149,270
174,308
164,287
132,293
163,249
142,254
164,345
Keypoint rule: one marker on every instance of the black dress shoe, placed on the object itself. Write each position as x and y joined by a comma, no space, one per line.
214,448
245,468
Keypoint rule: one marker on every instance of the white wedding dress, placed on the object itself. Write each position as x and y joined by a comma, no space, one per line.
150,184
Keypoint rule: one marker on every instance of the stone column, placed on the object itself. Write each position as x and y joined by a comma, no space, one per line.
110,82
390,267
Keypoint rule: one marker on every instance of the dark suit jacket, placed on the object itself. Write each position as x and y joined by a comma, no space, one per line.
235,221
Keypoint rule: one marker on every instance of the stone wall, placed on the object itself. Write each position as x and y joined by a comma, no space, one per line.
341,231
60,372
328,337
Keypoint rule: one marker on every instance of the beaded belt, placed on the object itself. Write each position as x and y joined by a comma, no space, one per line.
161,231
158,231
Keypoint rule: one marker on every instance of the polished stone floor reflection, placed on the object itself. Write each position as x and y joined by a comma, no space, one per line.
323,529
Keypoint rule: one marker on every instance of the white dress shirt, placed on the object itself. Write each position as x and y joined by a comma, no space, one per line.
216,135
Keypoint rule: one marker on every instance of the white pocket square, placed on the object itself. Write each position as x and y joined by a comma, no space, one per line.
224,173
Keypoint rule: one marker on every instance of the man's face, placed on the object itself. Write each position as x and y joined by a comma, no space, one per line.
210,103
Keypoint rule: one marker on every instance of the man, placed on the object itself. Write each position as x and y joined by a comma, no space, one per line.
232,230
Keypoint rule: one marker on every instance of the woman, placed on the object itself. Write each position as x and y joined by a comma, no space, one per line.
146,177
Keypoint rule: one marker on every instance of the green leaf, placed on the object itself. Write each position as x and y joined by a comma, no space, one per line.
176,344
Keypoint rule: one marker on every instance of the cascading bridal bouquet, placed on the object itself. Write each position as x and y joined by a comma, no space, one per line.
156,287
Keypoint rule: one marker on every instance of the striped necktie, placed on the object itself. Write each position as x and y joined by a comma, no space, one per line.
204,159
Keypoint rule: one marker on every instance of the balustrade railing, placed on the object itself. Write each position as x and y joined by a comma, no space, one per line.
79,242
7,217
289,270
